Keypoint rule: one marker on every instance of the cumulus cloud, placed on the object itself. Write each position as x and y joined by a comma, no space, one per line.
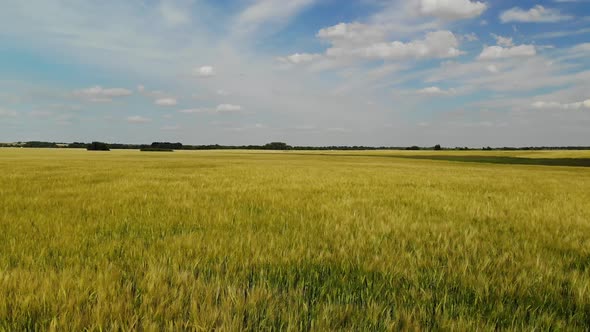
138,119
204,71
436,91
358,41
537,14
100,94
503,41
437,44
353,33
229,108
299,58
499,52
166,102
451,9
562,106
470,37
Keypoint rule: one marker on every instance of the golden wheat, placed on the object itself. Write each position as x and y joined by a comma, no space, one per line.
245,240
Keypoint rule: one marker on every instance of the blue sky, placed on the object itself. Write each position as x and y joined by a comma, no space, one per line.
308,72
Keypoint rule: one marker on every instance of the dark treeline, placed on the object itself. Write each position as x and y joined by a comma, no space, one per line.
270,146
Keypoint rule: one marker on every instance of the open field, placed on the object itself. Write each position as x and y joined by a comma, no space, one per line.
292,241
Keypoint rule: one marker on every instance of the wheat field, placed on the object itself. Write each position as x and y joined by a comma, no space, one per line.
293,241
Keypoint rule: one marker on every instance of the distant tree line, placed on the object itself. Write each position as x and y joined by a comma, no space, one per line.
34,144
166,146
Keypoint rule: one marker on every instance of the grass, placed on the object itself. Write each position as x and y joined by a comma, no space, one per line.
150,149
551,158
575,162
247,240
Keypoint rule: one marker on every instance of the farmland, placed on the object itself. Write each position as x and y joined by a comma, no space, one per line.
239,240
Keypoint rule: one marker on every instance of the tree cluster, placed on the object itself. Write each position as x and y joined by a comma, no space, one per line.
166,146
98,146
277,146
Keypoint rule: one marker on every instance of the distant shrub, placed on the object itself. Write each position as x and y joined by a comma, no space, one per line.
437,147
414,147
98,146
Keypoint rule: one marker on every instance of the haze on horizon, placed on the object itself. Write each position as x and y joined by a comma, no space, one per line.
306,72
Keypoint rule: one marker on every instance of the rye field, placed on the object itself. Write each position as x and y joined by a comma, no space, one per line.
294,241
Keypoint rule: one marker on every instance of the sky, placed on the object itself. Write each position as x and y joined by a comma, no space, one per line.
306,72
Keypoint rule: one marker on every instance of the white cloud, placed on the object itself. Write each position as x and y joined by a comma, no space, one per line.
437,44
138,119
166,102
499,52
509,75
562,33
451,9
436,91
204,71
229,108
355,41
537,14
299,58
585,47
562,106
268,11
492,68
219,109
470,37
503,41
194,110
353,33
579,51
100,94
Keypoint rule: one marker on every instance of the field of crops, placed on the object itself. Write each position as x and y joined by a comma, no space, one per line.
247,240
